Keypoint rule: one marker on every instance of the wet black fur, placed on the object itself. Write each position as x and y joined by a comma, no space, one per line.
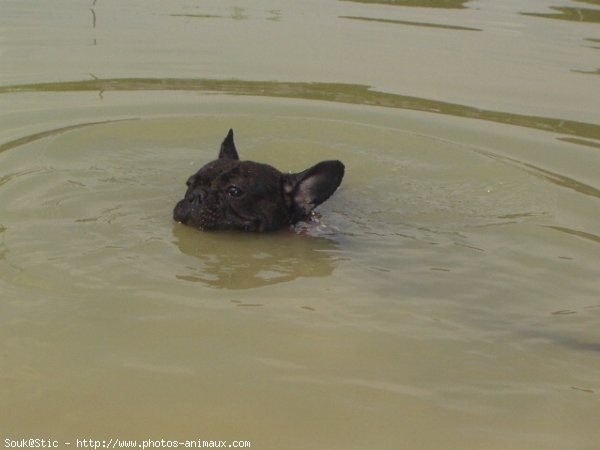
229,194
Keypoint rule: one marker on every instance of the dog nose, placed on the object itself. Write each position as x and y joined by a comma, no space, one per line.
197,197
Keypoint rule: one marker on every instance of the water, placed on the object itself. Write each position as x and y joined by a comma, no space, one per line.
448,297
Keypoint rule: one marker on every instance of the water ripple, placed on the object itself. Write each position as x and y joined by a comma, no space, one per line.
333,92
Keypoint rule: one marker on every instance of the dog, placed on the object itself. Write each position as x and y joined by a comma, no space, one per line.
229,194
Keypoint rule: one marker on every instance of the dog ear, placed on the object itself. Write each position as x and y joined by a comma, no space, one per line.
228,149
308,189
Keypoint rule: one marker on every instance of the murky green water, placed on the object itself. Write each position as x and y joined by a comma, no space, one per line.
448,296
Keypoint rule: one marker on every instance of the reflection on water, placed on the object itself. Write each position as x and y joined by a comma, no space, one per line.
334,92
563,181
275,15
569,13
44,134
408,287
581,141
198,16
418,24
453,286
237,13
3,249
591,72
582,234
455,4
235,261
547,175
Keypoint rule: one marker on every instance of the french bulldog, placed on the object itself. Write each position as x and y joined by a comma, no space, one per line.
229,194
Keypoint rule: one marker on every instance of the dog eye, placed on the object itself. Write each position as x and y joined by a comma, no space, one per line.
234,191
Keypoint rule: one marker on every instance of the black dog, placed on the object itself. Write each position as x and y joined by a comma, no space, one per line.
229,194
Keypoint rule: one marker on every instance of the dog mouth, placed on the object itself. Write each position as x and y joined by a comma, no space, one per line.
192,215
212,219
199,210
181,212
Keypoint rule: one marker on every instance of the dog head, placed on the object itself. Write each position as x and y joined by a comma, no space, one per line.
229,194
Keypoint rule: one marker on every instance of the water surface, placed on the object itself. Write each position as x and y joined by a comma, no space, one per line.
447,297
